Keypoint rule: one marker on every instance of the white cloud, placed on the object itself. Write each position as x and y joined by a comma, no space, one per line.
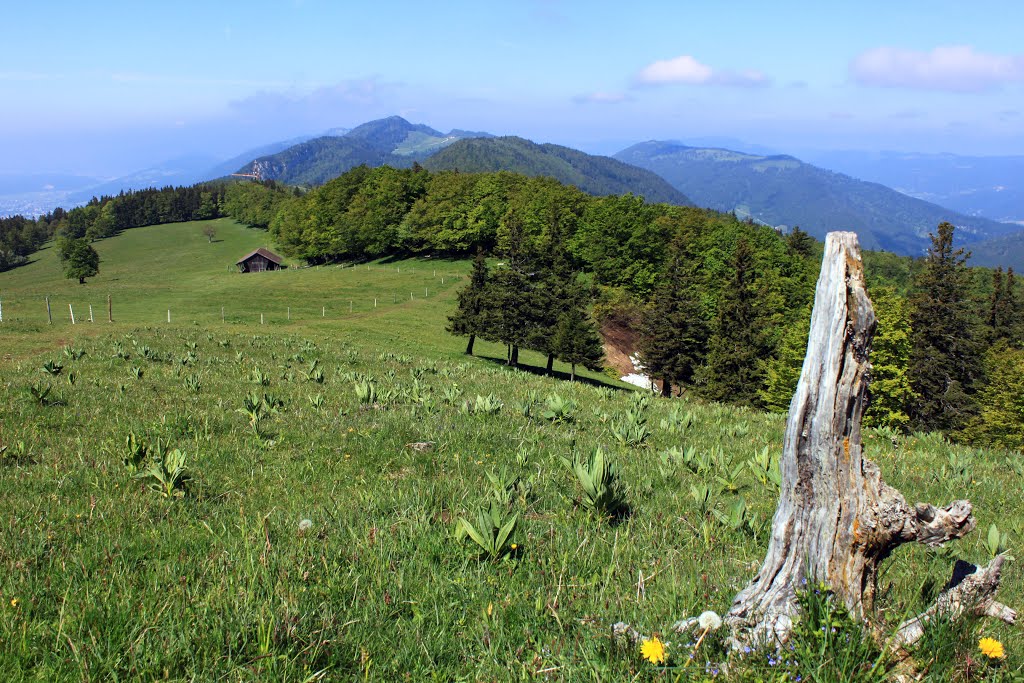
686,70
953,68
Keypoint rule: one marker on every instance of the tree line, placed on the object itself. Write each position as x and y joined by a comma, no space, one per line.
718,306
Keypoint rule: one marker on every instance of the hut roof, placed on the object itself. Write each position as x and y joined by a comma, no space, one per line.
262,251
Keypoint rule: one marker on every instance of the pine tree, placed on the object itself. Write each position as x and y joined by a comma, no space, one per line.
576,340
469,318
673,333
734,370
944,357
1013,311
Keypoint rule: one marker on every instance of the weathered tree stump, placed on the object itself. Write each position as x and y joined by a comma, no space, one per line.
837,520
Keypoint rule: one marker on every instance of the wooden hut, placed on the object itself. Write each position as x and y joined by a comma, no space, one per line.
258,261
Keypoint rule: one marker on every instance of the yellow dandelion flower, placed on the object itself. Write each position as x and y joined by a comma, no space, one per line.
653,650
991,648
15,602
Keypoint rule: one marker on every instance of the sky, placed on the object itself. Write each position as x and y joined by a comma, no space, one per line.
112,87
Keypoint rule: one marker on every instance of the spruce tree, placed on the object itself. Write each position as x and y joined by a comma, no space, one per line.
1013,312
576,340
469,318
673,333
945,362
734,370
1000,307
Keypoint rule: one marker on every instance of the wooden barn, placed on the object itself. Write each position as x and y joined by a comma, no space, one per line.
258,261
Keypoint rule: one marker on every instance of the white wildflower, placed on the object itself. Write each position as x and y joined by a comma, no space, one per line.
709,621
305,525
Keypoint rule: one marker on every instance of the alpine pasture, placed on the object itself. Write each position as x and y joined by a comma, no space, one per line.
220,498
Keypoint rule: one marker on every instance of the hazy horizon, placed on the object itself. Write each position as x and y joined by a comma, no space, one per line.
109,89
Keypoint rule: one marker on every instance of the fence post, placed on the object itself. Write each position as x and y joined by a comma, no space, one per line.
168,315
72,311
90,313
222,314
49,316
110,310
289,312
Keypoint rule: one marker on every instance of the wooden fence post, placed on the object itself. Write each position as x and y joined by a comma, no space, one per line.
49,316
110,310
72,312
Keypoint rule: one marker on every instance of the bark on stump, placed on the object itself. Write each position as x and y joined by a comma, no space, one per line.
836,520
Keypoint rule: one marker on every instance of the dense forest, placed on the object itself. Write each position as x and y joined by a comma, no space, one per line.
719,307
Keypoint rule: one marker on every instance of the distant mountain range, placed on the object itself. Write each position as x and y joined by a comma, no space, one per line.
595,175
895,212
783,191
992,187
396,142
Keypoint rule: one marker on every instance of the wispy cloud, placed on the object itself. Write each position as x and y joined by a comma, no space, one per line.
687,70
951,68
601,98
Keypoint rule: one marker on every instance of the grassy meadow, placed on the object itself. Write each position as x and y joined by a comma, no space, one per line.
314,531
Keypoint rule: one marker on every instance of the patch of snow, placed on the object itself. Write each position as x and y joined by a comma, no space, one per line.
642,381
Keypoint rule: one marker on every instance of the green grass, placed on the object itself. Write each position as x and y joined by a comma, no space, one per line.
104,579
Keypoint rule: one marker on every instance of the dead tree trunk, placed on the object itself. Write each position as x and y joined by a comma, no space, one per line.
836,520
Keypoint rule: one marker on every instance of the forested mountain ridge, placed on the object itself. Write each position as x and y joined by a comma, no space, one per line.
784,191
392,141
596,175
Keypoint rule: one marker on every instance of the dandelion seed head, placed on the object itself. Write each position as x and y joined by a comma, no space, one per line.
709,621
305,525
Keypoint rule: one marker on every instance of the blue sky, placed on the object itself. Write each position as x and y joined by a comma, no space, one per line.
111,87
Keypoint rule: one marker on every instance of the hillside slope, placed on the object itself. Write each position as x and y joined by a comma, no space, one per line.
784,191
595,175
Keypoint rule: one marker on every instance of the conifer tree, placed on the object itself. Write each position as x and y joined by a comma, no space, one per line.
673,333
576,340
1000,309
1013,312
944,357
513,309
734,370
469,318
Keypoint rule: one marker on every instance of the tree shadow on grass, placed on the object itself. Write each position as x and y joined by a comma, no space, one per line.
555,374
